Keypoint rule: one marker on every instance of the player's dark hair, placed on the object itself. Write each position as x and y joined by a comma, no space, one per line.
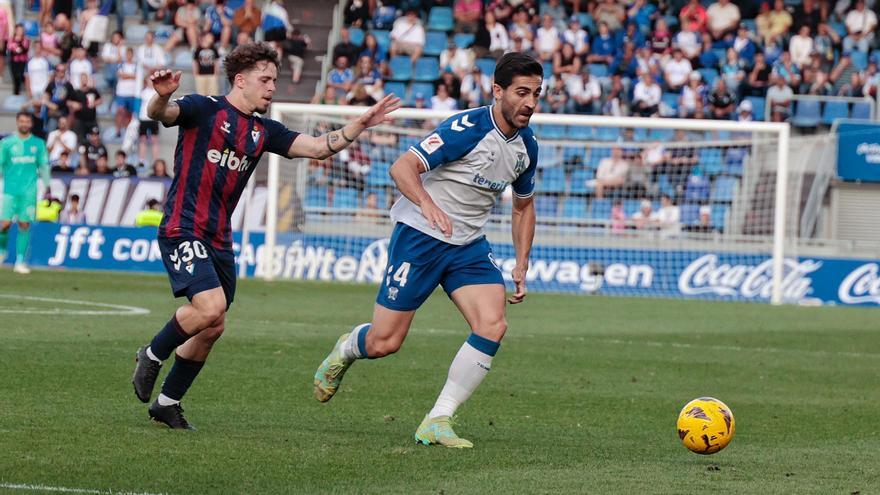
245,57
26,114
516,64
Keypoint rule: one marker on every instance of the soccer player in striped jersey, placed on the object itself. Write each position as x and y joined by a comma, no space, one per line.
449,182
220,142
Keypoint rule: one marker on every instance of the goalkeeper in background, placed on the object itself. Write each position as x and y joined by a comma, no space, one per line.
23,158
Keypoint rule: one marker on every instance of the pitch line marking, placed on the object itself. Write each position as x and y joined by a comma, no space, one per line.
113,309
64,489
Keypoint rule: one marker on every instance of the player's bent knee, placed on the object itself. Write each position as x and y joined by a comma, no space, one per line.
211,311
210,335
493,330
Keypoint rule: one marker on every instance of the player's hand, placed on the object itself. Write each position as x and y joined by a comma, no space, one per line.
437,218
165,82
519,279
377,114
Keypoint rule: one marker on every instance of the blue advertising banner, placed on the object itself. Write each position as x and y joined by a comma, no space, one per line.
631,272
858,152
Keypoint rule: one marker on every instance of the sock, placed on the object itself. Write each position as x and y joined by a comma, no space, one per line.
180,377
164,400
356,345
21,245
4,240
467,370
169,338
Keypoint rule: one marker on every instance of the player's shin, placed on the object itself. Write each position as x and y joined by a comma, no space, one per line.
169,338
179,379
21,244
467,371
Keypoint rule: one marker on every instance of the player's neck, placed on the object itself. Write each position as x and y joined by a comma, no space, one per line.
505,128
23,136
236,99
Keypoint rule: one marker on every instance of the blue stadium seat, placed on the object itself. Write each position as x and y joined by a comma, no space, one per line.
549,156
316,196
487,65
435,43
378,174
573,153
600,209
587,23
597,154
709,76
758,107
163,33
859,59
579,179
671,22
719,216
640,134
664,185
834,110
552,180
136,33
697,189
130,8
546,206
598,70
398,88
425,88
440,19
383,38
751,25
464,40
548,68
709,58
724,189
574,208
427,69
665,135
553,131
807,113
735,161
839,27
345,197
631,206
31,28
690,213
604,133
356,35
581,132
861,110
670,100
400,68
711,161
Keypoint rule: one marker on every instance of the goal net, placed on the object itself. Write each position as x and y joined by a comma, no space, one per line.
625,206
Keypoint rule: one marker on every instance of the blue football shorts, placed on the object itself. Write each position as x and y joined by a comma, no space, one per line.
194,266
418,263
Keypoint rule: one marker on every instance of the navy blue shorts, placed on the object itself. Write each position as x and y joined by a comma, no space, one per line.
194,266
418,263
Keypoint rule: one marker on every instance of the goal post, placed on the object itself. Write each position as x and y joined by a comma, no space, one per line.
740,175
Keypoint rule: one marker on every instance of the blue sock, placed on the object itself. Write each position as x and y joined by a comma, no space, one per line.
356,346
482,344
168,339
181,377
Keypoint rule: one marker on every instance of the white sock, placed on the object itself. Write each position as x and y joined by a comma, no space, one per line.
466,372
164,400
152,356
350,348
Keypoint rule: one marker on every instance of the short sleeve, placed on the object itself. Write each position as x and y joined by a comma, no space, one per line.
43,155
524,185
278,137
452,139
191,106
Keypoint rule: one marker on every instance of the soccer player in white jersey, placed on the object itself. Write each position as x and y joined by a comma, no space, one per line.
450,182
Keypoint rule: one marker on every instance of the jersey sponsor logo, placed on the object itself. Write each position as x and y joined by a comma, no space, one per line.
495,185
432,143
225,127
464,122
229,160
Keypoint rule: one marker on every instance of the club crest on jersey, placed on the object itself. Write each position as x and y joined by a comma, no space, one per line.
432,143
520,163
225,127
255,135
190,268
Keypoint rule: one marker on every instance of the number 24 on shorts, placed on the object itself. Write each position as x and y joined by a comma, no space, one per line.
399,276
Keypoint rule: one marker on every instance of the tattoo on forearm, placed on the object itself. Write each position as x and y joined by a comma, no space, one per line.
332,139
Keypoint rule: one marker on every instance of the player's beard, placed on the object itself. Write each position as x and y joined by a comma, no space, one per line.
511,115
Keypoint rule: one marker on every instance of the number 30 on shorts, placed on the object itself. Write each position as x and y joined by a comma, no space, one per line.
399,276
186,251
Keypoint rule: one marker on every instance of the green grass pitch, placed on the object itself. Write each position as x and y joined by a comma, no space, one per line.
582,398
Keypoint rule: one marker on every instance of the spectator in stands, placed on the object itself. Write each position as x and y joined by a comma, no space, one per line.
871,79
809,13
722,19
786,68
521,28
247,18
801,46
453,84
61,139
501,9
585,92
617,102
49,42
218,21
460,60
648,61
625,63
370,211
17,47
744,112
823,44
476,88
854,88
83,104
652,157
187,23
690,43
467,15
646,97
618,216
555,99
860,26
92,150
611,173
722,101
276,24
149,57
368,76
340,78
733,71
518,46
779,21
148,129
442,100
160,169
126,91
113,54
692,97
841,74
677,71
646,217
206,66
357,14
372,49
91,29
577,37
547,39
779,97
57,92
78,65
294,47
693,17
345,48
668,218
642,13
705,223
566,62
661,38
73,214
631,34
63,165
121,168
759,76
408,36
491,38
743,44
556,11
680,161
820,85
151,216
359,97
610,13
603,47
37,73
67,40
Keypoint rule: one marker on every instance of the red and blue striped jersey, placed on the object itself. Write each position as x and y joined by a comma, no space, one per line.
218,148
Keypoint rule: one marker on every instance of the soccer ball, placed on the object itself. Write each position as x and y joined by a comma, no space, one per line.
705,425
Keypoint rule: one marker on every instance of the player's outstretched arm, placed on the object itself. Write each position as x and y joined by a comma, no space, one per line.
406,173
523,230
331,143
161,108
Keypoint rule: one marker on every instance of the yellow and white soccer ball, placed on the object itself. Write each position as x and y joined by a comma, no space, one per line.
706,425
